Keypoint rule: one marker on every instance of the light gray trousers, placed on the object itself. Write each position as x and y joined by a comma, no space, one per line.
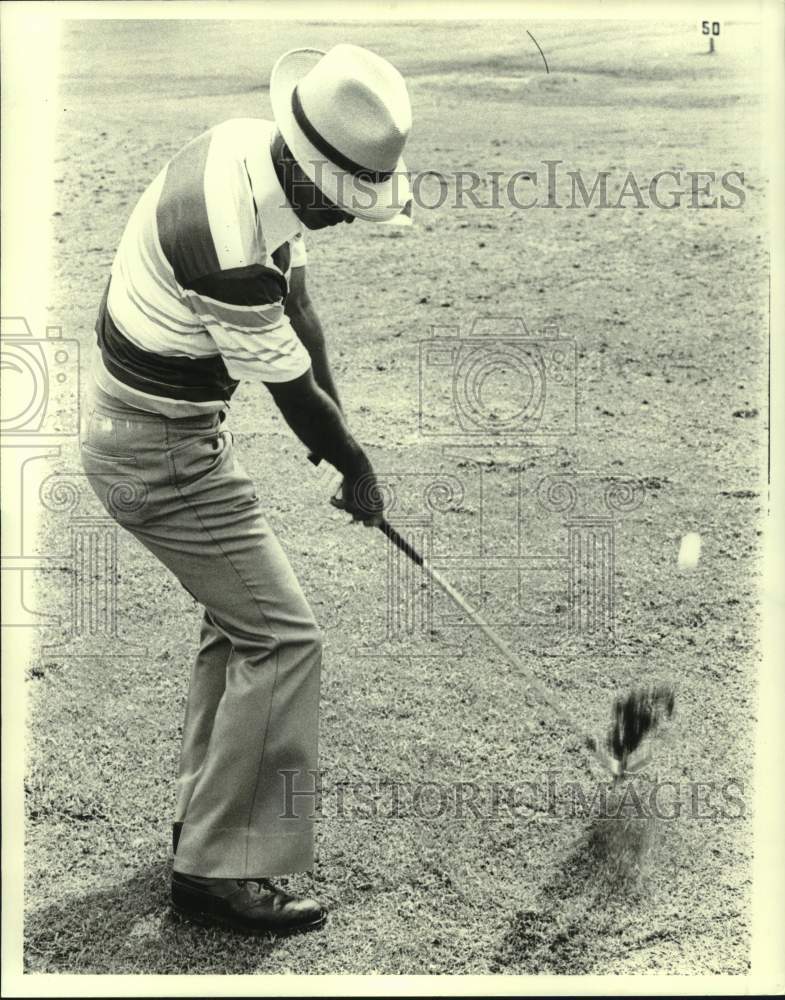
251,726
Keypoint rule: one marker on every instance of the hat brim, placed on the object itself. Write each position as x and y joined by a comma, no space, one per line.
361,198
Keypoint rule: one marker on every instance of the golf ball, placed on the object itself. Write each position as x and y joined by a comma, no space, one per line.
689,550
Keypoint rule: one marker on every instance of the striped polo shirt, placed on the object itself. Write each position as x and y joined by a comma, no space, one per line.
195,300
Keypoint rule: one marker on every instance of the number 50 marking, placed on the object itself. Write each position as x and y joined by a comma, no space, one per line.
710,29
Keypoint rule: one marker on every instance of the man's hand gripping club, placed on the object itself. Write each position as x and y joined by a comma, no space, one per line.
318,423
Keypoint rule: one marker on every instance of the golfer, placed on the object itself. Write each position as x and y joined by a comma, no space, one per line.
208,288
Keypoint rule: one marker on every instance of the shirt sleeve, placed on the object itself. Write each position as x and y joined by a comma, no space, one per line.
243,311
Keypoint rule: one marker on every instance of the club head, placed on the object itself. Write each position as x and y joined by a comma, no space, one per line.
606,760
636,716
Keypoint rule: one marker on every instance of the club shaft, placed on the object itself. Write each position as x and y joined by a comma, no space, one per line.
542,693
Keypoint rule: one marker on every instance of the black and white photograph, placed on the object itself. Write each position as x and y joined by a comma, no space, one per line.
392,498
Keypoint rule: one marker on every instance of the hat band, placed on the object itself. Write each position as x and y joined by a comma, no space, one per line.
334,155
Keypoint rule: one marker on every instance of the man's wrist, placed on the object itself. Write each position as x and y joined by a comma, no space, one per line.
349,458
353,460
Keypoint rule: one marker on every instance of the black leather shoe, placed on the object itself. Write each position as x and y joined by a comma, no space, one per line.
252,906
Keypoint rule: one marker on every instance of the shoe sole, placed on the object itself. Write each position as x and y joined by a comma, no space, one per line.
205,919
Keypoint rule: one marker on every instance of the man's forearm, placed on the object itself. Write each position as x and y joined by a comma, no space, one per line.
308,328
318,423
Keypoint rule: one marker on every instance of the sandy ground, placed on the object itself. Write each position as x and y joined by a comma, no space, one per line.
667,311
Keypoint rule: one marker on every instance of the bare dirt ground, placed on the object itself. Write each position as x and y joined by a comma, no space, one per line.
667,309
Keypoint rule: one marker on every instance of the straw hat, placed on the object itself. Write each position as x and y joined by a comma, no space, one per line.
345,115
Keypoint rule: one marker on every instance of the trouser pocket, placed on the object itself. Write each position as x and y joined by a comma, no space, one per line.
118,484
116,450
194,461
